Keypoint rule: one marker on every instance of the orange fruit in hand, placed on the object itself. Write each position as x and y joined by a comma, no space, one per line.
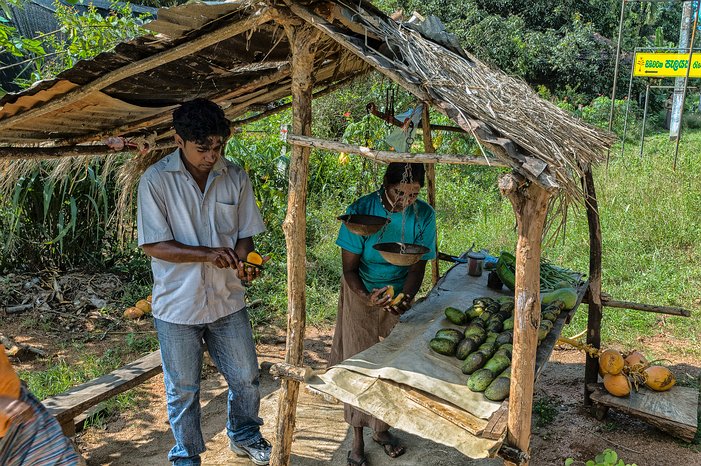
254,258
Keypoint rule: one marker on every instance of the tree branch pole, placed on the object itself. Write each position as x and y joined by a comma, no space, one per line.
303,41
430,178
390,156
530,204
591,368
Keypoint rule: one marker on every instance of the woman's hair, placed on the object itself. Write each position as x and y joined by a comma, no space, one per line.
395,173
199,119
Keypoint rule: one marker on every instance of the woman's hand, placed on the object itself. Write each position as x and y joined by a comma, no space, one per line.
16,411
401,307
379,297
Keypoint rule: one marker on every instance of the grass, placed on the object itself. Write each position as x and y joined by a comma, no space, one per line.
61,376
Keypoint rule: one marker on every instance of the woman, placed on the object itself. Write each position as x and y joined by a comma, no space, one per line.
29,435
365,315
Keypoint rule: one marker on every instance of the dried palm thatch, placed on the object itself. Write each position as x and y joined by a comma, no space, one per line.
550,145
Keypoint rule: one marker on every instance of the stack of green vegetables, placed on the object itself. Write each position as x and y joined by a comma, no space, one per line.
485,345
552,277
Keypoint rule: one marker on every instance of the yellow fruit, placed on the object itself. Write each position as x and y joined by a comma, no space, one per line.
397,299
611,362
254,258
133,313
390,291
149,299
144,306
659,378
635,358
617,385
343,158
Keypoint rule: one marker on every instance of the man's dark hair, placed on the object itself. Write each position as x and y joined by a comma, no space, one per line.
395,173
199,119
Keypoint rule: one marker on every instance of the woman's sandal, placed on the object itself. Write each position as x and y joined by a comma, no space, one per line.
363,461
395,451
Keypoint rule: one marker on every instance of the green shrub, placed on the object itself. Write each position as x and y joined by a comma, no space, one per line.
607,458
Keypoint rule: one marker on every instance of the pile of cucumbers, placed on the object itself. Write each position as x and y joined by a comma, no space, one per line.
485,345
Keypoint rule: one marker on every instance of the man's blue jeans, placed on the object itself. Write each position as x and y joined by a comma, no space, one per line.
230,343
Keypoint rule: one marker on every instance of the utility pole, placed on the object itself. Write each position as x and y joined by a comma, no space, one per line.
678,99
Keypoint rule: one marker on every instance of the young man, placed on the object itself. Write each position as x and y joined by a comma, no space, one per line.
196,219
29,435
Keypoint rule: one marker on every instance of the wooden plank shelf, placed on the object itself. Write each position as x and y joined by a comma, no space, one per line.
674,411
67,406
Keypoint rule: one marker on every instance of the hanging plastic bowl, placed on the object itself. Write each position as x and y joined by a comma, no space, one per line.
363,225
401,254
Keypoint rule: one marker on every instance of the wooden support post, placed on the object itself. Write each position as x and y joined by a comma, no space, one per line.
591,371
303,41
530,204
430,178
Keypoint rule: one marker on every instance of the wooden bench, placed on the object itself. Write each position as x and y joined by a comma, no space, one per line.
67,406
674,411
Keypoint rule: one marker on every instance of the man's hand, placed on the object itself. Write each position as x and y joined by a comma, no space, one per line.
247,273
17,411
379,297
223,258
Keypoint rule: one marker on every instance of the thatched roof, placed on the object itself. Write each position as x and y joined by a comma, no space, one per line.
237,54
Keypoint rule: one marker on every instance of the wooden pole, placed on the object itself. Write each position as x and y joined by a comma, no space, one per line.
669,310
591,368
389,156
430,178
48,153
303,40
530,204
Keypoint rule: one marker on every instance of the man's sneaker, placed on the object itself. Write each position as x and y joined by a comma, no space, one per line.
259,452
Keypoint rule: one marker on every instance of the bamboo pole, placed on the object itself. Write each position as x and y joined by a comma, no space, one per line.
141,66
530,204
389,156
430,179
591,368
48,153
302,41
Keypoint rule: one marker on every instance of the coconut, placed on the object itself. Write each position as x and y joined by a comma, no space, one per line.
659,378
635,358
133,313
144,306
617,384
611,362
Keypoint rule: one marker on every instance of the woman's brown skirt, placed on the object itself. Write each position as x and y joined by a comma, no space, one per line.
358,327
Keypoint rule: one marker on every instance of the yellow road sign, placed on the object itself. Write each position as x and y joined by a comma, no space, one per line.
666,65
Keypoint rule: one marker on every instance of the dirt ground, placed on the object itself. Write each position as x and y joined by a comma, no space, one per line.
562,426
